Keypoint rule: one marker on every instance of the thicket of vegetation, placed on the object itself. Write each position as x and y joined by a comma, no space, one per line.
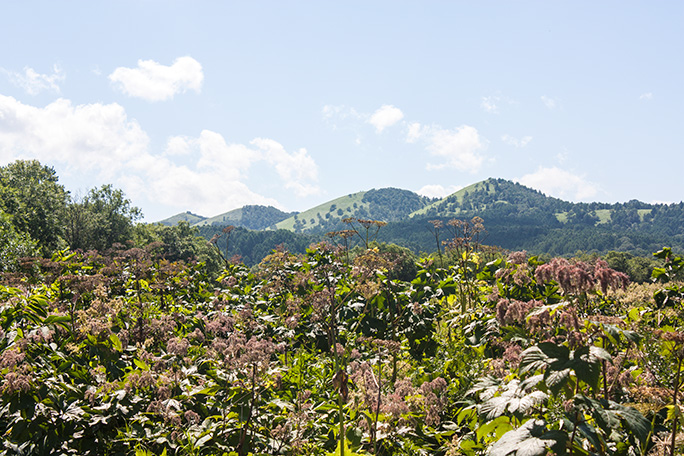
341,351
117,338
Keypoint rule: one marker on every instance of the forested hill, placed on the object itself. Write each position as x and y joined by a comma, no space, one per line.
182,217
515,217
253,217
386,204
489,194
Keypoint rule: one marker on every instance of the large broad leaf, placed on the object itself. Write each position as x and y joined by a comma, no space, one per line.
586,365
494,407
542,355
532,359
530,439
634,421
525,403
556,378
555,352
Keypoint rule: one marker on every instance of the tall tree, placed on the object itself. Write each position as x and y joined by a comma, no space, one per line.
102,218
30,193
13,244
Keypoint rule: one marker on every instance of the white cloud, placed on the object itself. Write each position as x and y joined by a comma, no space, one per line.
330,111
152,81
549,102
560,184
33,82
295,169
99,143
515,142
334,115
231,161
212,184
93,137
215,181
492,104
489,104
384,117
438,191
646,96
459,148
415,132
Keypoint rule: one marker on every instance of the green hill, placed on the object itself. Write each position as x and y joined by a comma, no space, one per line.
487,195
515,217
252,217
182,217
386,204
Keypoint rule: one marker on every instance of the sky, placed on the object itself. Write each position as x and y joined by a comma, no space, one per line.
207,106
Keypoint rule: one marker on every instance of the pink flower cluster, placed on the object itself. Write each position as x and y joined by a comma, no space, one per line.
580,277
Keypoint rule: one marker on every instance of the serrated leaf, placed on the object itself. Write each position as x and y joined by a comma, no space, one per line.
532,359
494,407
634,421
530,439
600,353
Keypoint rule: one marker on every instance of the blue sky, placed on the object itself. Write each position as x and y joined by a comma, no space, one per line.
210,105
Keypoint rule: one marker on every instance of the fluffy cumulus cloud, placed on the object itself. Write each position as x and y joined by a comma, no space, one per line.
297,170
515,142
211,183
438,191
33,82
459,148
153,81
216,180
384,117
99,142
349,118
560,184
90,138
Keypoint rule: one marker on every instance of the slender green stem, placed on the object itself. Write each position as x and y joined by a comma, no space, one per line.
674,401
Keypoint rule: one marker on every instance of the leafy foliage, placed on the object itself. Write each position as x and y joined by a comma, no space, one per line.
168,344
29,192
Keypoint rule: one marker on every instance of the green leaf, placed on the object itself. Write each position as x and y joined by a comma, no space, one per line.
634,421
530,439
532,359
140,364
555,352
116,342
556,379
673,411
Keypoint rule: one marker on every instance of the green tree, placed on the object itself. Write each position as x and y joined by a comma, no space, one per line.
180,242
13,244
101,219
30,193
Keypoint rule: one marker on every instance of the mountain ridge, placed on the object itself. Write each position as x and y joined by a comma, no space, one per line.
515,216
